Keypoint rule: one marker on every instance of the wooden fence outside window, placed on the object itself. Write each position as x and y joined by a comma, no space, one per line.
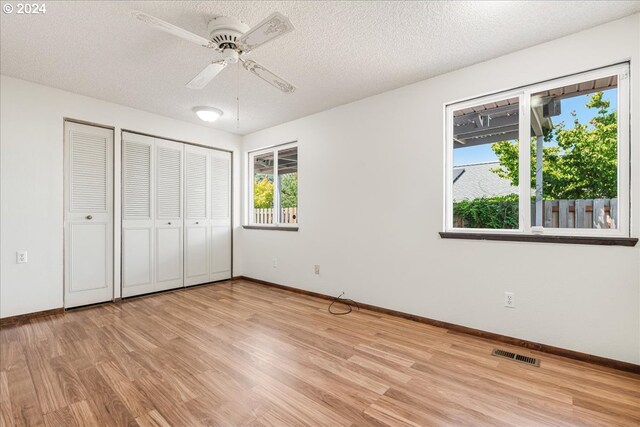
266,216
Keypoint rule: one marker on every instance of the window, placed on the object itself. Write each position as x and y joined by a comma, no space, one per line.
551,158
481,198
273,199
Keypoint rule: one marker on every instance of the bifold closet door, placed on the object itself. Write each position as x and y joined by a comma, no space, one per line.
176,215
196,223
152,254
88,214
220,229
168,218
138,227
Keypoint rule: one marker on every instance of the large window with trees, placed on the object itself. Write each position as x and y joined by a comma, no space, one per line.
273,198
550,158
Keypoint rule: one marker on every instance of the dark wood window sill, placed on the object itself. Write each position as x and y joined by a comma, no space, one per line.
573,240
267,227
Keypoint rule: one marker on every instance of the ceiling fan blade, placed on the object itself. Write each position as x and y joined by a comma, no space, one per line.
271,28
268,76
205,76
172,29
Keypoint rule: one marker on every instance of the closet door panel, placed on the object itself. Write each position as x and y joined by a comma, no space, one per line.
138,262
168,257
196,255
197,208
89,244
138,235
220,230
221,253
168,222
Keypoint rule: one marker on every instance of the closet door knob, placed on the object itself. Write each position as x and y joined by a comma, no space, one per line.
168,223
197,223
89,217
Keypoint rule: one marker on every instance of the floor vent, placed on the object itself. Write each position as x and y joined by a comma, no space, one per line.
514,356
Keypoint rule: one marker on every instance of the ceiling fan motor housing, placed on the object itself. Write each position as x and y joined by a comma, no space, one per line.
226,30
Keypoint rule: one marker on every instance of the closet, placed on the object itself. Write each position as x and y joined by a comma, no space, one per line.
176,214
88,214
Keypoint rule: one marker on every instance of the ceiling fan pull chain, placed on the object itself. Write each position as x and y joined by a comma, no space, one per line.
238,95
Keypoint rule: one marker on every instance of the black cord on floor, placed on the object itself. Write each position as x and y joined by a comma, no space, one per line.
348,302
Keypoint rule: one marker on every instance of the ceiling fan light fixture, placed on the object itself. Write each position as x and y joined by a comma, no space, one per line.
208,114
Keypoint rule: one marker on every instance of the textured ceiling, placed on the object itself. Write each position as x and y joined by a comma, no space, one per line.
338,53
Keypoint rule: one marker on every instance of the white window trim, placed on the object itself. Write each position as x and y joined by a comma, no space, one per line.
524,94
276,187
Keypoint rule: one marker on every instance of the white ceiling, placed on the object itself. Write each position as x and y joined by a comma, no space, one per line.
338,53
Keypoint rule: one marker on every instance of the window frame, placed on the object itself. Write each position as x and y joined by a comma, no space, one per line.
251,155
524,190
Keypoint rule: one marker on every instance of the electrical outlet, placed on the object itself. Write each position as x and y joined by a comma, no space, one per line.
275,263
21,257
317,269
509,300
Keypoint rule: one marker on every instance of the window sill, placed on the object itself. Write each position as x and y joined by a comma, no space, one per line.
573,240
269,227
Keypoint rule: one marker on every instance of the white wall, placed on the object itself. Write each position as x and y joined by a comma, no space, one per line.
371,184
31,188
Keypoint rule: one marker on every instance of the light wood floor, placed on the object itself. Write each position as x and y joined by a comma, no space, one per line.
238,354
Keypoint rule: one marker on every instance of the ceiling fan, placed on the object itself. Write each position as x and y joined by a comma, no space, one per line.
234,40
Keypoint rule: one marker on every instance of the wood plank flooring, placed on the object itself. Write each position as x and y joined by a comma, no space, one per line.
243,354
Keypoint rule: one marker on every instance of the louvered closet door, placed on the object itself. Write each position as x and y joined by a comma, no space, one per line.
196,224
168,219
220,230
88,217
138,234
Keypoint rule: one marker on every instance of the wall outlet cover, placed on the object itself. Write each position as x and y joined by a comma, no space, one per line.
21,257
509,300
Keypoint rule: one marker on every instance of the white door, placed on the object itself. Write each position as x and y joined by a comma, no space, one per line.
138,228
220,229
196,223
168,215
88,214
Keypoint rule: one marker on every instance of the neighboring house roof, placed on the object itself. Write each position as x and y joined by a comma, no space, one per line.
474,181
